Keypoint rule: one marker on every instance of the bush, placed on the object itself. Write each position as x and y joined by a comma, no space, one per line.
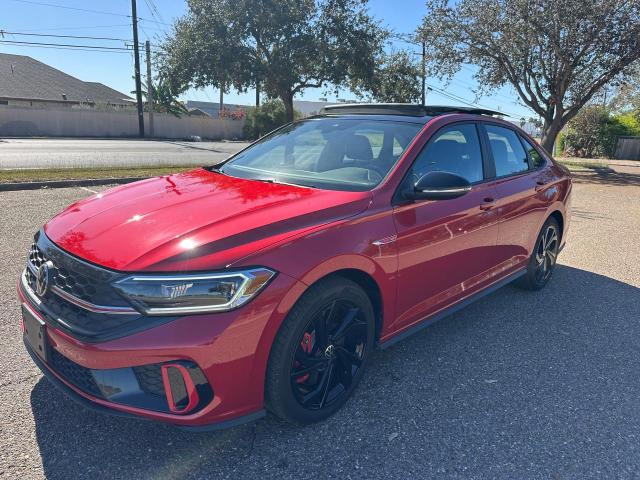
594,132
265,118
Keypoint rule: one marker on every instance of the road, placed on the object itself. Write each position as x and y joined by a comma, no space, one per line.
59,153
519,385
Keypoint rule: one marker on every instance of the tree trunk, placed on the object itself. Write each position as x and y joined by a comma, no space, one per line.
221,100
287,99
550,132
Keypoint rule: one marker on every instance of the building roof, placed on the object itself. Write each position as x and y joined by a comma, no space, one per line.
23,77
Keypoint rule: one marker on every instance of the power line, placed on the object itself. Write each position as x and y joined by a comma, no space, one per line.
101,12
76,28
66,45
78,49
152,11
155,9
63,36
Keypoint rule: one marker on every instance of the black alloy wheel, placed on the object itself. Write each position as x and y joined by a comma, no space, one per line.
320,352
543,258
546,253
329,355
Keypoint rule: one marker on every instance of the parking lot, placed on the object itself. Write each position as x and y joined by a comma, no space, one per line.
518,385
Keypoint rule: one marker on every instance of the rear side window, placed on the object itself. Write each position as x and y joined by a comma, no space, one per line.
454,149
536,159
508,154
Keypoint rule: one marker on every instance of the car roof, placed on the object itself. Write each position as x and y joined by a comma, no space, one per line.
401,111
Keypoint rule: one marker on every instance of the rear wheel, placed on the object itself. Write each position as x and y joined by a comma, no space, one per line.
543,258
320,352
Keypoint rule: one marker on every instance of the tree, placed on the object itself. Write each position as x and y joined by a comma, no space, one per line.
594,132
285,46
265,118
396,79
555,54
165,98
626,94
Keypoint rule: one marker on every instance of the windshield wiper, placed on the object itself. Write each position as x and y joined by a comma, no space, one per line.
274,180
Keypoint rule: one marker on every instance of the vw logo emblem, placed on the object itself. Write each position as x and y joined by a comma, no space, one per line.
43,278
330,351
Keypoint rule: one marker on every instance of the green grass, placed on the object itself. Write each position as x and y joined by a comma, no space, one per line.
49,174
578,165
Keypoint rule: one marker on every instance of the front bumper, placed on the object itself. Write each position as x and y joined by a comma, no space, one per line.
231,349
93,403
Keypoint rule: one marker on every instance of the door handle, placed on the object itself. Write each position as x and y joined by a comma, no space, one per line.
539,185
487,203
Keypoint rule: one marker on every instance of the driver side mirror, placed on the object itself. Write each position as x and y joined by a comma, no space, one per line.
438,186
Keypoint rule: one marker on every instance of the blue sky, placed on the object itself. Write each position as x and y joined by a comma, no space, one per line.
116,68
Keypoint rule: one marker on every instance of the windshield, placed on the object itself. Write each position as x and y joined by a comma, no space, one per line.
330,153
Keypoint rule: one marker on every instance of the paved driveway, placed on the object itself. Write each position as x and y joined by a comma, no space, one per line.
519,385
60,153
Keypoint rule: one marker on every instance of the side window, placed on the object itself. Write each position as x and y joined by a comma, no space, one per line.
508,154
454,149
537,160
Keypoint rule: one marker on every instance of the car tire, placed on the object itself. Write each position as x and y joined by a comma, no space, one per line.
313,369
543,258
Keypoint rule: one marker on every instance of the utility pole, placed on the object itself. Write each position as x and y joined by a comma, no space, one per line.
147,47
136,53
257,93
221,99
424,73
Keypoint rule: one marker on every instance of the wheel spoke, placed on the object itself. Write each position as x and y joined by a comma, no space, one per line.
311,365
322,338
318,388
551,238
349,357
347,322
552,256
346,372
328,384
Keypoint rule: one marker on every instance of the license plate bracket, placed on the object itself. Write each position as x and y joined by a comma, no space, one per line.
35,331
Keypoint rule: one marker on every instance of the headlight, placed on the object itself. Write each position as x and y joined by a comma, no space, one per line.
193,293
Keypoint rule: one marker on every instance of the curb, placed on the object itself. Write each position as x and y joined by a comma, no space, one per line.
10,187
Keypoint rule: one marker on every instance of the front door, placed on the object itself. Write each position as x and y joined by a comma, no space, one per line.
446,248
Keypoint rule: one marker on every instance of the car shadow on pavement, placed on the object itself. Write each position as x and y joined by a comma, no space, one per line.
606,176
519,385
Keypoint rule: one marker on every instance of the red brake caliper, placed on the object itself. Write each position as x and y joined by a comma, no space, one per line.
307,346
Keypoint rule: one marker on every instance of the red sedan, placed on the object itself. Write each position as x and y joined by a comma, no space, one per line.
205,298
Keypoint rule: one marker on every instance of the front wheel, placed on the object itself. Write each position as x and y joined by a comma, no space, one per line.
320,352
543,258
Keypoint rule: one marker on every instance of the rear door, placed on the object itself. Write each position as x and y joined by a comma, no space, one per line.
446,248
520,203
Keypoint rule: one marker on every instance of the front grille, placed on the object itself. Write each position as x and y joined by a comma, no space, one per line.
84,281
150,379
75,374
76,277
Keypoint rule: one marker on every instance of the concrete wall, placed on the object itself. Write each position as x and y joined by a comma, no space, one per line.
62,122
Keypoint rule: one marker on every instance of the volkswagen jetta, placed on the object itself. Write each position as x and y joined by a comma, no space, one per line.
265,282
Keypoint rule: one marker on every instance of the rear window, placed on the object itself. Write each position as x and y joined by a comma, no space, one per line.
537,160
508,154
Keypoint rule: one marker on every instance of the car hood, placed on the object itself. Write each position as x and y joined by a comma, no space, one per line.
195,220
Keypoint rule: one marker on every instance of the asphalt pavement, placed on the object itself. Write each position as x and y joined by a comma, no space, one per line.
519,385
61,153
